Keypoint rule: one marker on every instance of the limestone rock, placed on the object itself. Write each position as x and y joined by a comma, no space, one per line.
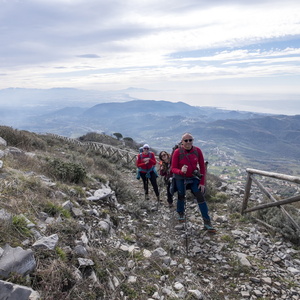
16,260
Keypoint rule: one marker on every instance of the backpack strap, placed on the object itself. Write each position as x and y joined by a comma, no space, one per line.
151,154
182,154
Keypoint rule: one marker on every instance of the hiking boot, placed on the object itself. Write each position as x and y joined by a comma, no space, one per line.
181,217
158,199
171,205
209,227
147,197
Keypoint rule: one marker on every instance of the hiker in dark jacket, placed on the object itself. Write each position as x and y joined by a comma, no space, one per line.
189,170
146,163
165,172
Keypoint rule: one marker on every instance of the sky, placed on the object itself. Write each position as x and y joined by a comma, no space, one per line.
233,54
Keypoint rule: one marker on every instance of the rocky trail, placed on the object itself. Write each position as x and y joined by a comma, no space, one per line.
241,261
138,250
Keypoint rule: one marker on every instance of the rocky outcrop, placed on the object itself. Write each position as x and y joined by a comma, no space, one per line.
3,142
10,291
16,260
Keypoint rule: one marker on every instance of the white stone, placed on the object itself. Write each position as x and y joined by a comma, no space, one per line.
116,281
178,286
293,270
124,248
132,279
147,253
103,225
267,280
196,294
47,242
84,239
243,259
159,252
83,262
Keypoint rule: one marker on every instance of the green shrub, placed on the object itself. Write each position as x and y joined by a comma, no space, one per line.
221,197
129,291
61,253
55,210
66,171
20,225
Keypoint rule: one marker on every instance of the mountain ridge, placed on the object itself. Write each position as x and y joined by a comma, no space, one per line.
161,123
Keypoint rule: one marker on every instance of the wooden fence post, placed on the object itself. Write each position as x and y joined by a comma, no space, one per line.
247,192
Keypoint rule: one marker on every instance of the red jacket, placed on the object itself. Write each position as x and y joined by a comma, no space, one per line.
140,161
192,160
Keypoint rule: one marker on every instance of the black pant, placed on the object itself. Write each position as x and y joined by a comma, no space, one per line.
152,180
169,195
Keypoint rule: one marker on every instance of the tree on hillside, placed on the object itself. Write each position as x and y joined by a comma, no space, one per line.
128,139
118,135
130,142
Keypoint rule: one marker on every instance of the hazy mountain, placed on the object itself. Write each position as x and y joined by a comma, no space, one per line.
160,123
266,136
132,118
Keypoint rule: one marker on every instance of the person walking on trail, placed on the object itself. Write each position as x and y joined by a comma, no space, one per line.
165,172
146,163
189,170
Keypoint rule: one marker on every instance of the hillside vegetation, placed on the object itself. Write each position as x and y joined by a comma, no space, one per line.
142,253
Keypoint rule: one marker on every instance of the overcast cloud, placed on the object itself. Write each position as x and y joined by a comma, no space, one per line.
200,52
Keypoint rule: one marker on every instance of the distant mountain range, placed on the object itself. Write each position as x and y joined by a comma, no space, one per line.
159,123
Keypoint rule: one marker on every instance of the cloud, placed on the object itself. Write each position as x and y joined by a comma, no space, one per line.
146,43
89,56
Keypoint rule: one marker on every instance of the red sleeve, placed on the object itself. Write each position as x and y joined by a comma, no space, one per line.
152,159
201,165
175,167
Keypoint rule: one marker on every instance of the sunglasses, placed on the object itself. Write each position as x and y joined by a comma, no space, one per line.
188,140
146,148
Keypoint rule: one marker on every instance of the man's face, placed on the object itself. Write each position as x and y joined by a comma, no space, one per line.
187,141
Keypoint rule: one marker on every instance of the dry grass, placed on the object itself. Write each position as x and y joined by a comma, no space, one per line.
22,139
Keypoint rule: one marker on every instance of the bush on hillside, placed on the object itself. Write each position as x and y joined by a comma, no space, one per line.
109,140
66,171
22,139
100,138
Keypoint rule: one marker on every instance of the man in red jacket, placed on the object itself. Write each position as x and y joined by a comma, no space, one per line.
188,167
